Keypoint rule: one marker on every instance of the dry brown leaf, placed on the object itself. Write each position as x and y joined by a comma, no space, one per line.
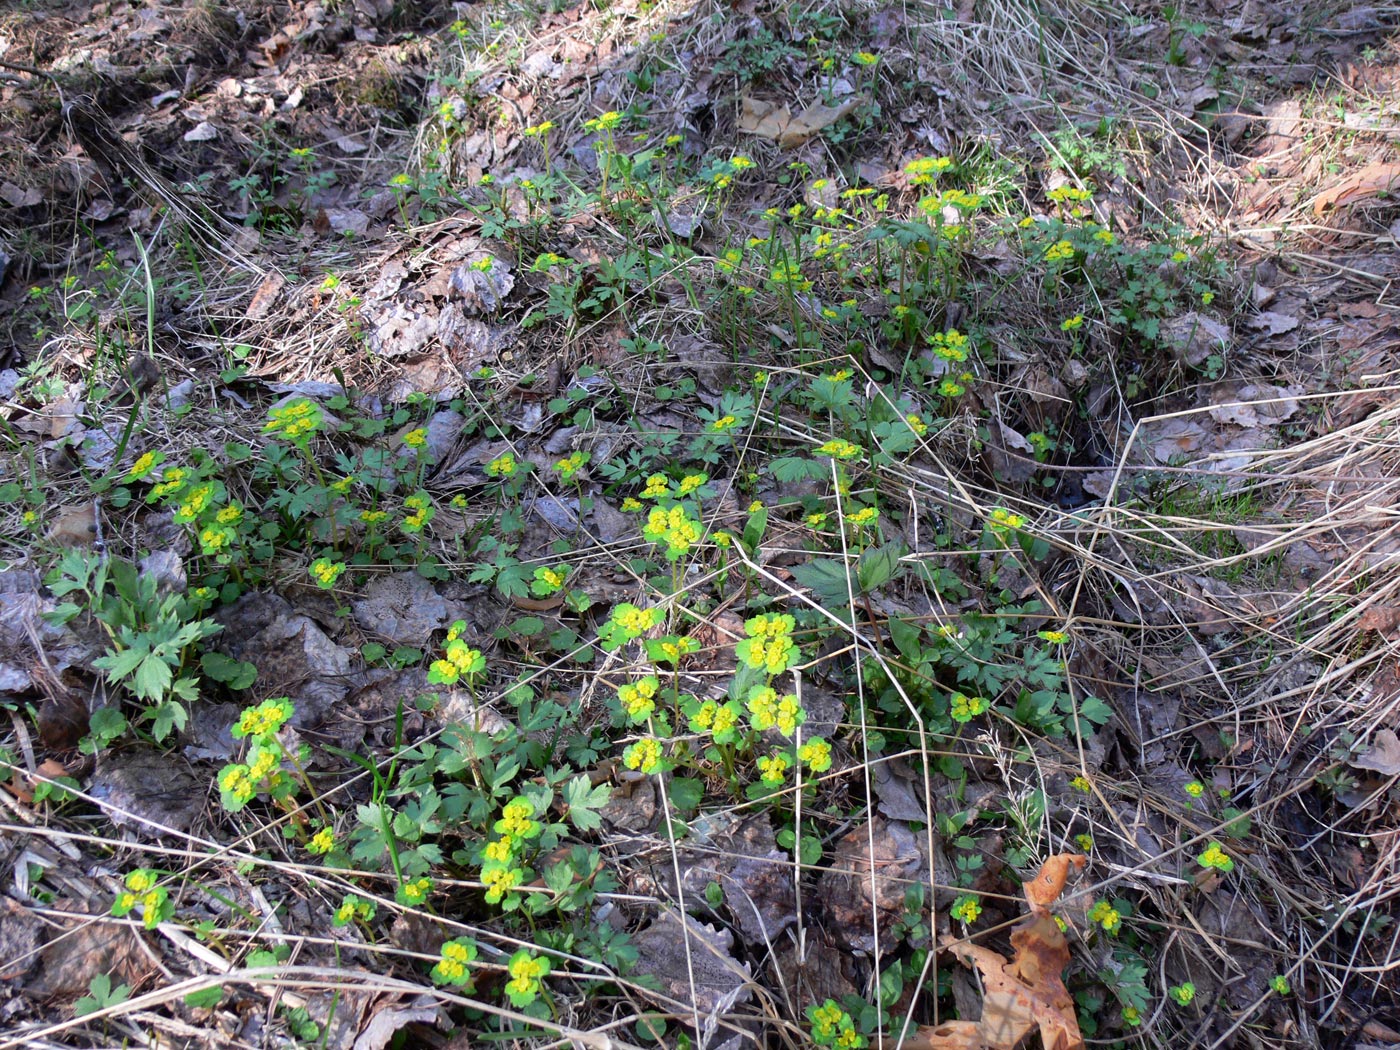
1383,757
777,122
1045,889
1373,179
1026,993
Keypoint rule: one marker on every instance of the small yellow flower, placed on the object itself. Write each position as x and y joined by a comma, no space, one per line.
144,464
966,909
838,448
1081,783
322,842
498,851
503,466
816,753
1070,324
416,438
1003,518
326,572
643,756
773,768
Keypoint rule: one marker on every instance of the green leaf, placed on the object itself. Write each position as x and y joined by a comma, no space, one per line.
152,678
205,998
119,665
795,468
686,793
828,579
169,715
583,801
879,565
236,674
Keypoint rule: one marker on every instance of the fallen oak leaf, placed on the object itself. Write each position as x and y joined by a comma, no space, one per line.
1025,993
778,123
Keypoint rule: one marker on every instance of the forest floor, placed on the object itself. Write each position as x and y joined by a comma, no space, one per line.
717,524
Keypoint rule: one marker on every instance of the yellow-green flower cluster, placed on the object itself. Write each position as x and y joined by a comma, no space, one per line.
628,622
145,463
326,572
838,448
1182,994
950,345
196,501
352,908
568,467
638,699
549,580
1002,519
965,708
769,646
414,892
772,769
264,720
1059,251
721,721
416,438
526,972
657,485
503,466
1069,194
458,661
833,1027
767,710
815,754
675,528
420,512
925,170
322,842
691,482
1106,915
1216,857
453,959
603,122
966,909
789,275
296,420
644,756
862,516
142,892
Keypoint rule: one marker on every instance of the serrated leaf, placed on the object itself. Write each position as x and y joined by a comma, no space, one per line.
878,565
584,800
827,578
236,674
794,468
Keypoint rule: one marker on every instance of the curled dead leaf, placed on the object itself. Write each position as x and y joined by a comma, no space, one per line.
776,122
1026,993
1045,889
